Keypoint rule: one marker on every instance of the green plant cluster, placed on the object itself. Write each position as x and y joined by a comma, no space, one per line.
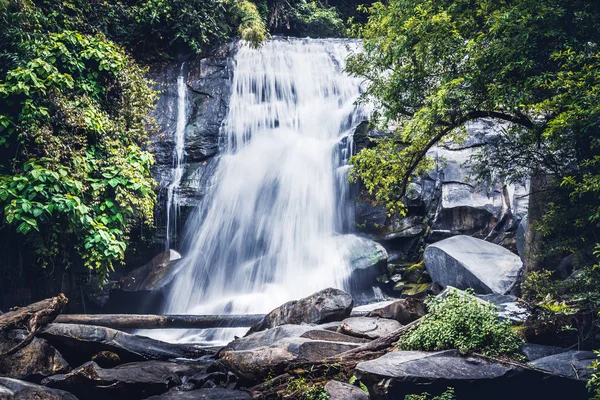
303,17
447,395
461,321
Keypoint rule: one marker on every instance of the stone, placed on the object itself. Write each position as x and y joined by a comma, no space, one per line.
466,262
404,311
78,343
533,351
256,364
324,306
268,337
329,336
416,290
152,276
14,389
368,328
134,380
204,394
106,359
399,373
508,307
343,391
33,362
574,364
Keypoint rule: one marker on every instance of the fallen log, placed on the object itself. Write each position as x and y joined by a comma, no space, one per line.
151,321
32,317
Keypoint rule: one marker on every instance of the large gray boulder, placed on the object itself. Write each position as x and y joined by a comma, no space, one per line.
466,262
78,343
152,276
14,389
400,373
255,364
133,381
404,311
324,306
572,364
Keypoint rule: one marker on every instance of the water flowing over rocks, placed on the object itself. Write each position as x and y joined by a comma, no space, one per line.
321,307
466,262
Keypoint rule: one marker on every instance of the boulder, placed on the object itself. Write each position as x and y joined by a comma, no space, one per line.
368,328
404,311
78,343
33,362
366,260
324,306
256,364
573,364
400,373
132,381
508,306
329,336
153,275
533,351
14,389
343,391
204,394
466,262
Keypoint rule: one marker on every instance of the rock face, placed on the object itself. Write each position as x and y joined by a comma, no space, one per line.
131,381
343,391
324,306
78,343
209,86
368,328
13,389
399,373
33,362
466,262
152,276
445,202
367,260
533,351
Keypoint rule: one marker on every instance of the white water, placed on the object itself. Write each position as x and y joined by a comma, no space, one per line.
178,159
265,234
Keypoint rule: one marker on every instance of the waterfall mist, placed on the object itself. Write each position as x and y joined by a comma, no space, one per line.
268,230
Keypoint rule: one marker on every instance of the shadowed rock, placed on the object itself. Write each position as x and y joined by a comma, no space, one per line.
343,391
153,275
404,311
204,394
15,389
573,364
33,362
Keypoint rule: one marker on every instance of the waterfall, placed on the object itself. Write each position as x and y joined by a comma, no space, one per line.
172,207
268,231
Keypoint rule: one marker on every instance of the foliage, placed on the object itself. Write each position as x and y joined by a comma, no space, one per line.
538,285
303,389
252,27
302,17
447,395
461,321
435,65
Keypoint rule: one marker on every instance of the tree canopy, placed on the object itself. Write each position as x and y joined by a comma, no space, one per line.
434,65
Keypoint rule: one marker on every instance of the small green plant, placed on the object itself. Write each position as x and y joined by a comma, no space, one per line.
447,395
301,388
461,321
538,285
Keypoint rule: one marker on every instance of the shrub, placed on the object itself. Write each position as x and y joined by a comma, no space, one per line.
538,285
461,321
447,395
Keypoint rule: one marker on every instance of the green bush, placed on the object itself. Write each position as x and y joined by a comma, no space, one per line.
538,285
447,395
461,321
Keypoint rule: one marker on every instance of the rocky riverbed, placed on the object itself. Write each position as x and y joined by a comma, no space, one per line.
313,340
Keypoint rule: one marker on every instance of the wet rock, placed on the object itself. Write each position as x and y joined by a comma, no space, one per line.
152,276
33,362
78,343
400,373
533,351
572,364
366,259
404,311
14,389
255,364
204,394
343,391
132,381
324,306
466,262
368,328
268,337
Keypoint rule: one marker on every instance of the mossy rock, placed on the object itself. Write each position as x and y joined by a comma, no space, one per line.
416,289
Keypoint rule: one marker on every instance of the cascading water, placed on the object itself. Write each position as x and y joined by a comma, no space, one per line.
172,207
268,231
